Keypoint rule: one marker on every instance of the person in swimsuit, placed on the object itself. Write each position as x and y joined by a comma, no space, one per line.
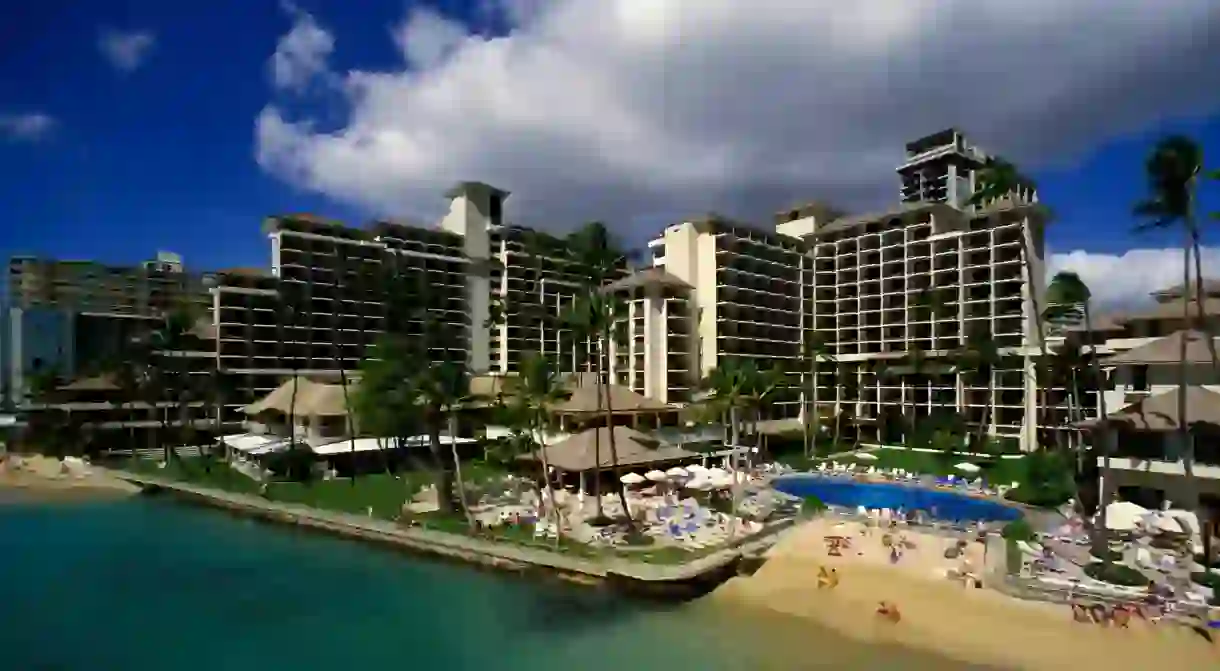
889,611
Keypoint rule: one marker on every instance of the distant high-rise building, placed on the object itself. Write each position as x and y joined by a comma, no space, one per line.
70,316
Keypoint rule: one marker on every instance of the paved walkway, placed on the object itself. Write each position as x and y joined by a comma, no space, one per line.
448,543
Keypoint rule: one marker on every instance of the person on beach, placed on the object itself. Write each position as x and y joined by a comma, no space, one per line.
889,612
828,579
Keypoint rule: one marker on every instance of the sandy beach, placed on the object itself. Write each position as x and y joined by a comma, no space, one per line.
38,478
977,626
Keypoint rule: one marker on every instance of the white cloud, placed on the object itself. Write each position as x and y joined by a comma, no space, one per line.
30,127
640,111
427,37
300,55
1119,281
618,108
126,50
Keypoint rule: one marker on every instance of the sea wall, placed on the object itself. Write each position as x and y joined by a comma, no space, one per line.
658,581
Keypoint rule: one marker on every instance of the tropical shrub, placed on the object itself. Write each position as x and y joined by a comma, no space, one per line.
1018,530
1116,574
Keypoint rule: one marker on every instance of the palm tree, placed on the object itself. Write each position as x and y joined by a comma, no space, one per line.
725,389
813,351
1067,288
337,351
127,380
539,390
763,387
914,362
598,260
996,181
385,401
976,359
1172,172
442,390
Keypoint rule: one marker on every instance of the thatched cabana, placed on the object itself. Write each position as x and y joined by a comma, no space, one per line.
580,453
586,405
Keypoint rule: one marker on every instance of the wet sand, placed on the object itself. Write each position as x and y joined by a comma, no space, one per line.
41,479
974,626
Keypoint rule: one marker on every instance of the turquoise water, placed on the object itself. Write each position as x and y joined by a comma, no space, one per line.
138,585
939,503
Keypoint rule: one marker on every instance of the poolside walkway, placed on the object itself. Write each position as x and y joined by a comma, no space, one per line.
501,554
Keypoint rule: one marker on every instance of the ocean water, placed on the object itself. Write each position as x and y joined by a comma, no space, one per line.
138,584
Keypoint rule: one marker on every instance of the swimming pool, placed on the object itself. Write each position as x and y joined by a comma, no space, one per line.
938,503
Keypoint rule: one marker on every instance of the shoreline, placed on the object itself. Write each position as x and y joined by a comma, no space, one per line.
40,479
975,626
663,581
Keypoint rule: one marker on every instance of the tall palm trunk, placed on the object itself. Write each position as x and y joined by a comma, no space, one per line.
622,489
1040,394
1184,435
348,424
1203,327
734,456
292,412
457,468
815,423
599,510
445,484
552,510
1102,533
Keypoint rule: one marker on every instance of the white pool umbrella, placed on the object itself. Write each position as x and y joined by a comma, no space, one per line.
677,472
1124,515
656,476
1187,519
721,482
866,456
632,479
700,484
967,467
696,469
1169,525
714,474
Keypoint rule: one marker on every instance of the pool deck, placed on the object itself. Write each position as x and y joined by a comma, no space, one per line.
669,581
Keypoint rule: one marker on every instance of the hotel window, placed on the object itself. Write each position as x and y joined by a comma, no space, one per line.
1139,378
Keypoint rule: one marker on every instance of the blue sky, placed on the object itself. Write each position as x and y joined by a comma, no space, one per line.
161,153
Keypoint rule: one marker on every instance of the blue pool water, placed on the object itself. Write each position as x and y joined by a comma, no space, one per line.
940,504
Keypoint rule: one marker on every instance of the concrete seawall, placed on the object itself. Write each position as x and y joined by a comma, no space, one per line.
664,581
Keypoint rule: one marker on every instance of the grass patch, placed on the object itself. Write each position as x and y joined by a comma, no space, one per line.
1207,579
385,494
1116,574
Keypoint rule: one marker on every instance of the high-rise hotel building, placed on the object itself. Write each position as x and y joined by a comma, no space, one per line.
921,276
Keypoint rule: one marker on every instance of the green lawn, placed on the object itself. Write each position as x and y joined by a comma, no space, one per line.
385,494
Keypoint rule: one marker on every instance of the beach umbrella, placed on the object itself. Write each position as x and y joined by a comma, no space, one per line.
632,479
700,484
1188,520
967,467
1124,515
1168,525
866,456
677,472
721,482
716,473
656,476
696,469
